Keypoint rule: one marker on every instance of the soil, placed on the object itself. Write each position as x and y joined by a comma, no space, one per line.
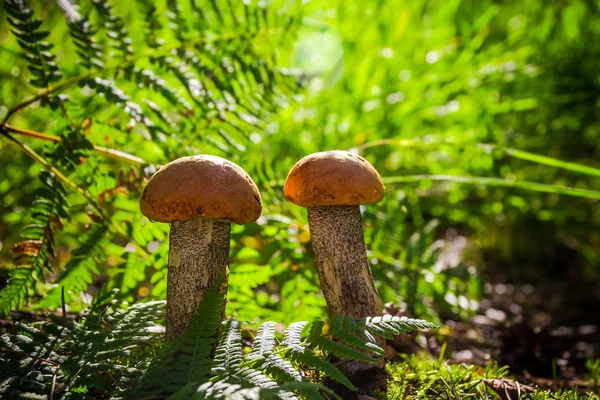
543,323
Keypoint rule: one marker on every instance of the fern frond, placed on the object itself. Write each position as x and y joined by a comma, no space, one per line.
97,352
309,390
176,21
340,349
16,291
80,29
81,267
254,378
187,359
147,78
114,27
228,355
264,341
217,390
345,329
303,356
117,97
279,369
388,325
41,62
293,334
32,255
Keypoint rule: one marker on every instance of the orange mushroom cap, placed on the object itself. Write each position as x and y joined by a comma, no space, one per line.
201,187
333,178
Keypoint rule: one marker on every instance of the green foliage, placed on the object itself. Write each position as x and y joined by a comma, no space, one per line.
421,378
188,368
40,61
187,359
470,111
114,351
32,255
183,74
96,356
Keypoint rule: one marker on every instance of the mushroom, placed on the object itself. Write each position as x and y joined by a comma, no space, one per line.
199,196
332,185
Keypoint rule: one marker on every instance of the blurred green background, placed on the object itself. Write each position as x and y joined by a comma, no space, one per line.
437,95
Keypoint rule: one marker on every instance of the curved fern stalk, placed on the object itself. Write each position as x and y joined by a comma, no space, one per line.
32,256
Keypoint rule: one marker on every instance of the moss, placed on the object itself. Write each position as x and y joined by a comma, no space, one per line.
418,377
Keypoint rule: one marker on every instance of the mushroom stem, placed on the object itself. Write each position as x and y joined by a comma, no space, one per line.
346,280
198,255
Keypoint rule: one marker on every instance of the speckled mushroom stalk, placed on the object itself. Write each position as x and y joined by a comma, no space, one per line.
199,196
198,255
332,185
342,265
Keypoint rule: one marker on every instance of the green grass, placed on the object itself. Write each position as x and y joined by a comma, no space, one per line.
418,377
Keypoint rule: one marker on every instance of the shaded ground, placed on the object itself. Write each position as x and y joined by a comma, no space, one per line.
547,330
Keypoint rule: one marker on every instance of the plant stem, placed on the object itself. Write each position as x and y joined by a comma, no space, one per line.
111,153
478,180
521,154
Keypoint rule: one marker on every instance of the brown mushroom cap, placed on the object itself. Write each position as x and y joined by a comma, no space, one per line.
201,187
333,178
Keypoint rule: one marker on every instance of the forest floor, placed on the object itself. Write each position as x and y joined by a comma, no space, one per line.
544,336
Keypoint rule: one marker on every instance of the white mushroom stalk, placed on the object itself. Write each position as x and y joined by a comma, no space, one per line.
199,196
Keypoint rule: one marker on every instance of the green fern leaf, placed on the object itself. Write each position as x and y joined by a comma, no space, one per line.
16,290
309,390
293,334
280,369
89,52
264,341
345,329
114,27
41,61
32,255
339,349
228,355
186,359
304,356
388,325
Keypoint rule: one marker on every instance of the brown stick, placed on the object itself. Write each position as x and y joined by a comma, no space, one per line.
111,153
